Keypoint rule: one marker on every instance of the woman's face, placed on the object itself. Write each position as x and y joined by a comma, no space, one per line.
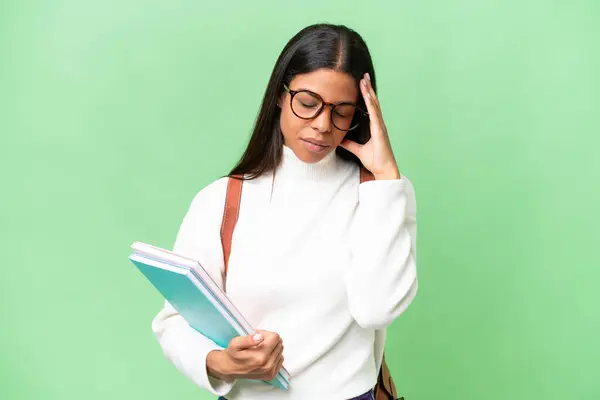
312,139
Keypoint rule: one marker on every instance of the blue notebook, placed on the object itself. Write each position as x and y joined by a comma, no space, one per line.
196,297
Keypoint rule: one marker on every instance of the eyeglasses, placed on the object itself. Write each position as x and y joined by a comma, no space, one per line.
308,105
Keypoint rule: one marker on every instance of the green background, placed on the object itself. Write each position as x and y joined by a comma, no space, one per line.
113,114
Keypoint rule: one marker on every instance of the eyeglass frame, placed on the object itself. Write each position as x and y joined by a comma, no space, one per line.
323,104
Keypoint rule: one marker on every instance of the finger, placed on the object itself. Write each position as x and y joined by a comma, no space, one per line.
375,117
374,99
264,350
372,91
280,362
351,146
246,342
265,357
271,340
277,350
371,107
272,368
266,334
276,366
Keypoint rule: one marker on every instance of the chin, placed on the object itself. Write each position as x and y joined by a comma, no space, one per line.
312,157
311,153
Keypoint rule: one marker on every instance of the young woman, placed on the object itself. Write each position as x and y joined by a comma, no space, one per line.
320,262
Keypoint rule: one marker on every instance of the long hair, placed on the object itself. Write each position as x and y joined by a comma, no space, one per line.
334,47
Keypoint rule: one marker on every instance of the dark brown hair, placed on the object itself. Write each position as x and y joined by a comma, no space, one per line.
317,46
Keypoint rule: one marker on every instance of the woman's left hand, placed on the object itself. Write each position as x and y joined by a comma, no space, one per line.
376,155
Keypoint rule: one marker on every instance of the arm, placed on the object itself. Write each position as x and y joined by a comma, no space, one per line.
382,280
198,238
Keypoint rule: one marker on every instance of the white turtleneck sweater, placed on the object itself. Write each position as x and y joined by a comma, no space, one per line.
325,262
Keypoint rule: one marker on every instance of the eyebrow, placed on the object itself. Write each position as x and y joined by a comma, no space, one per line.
337,102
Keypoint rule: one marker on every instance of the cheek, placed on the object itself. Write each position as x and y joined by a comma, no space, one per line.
290,124
338,136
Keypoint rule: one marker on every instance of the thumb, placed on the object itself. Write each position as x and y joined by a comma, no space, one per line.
246,342
351,146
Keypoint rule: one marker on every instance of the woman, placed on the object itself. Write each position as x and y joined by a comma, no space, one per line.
320,262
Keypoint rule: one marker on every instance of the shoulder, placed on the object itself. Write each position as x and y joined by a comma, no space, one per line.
210,196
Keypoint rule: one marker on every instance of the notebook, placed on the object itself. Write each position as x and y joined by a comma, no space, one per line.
196,297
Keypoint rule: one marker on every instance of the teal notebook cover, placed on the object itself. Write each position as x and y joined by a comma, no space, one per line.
193,305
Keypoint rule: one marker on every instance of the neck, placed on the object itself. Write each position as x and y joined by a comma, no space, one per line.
293,168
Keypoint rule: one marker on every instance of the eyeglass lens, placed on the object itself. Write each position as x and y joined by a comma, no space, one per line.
306,105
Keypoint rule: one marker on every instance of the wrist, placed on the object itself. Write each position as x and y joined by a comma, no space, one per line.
390,174
217,366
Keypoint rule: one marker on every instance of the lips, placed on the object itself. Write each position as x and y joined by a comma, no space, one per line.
317,142
315,146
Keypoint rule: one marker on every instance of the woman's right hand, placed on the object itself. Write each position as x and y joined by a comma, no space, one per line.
248,357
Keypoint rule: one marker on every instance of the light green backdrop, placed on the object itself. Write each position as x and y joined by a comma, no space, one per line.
113,114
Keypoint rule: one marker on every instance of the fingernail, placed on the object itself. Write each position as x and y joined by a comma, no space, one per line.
257,337
368,77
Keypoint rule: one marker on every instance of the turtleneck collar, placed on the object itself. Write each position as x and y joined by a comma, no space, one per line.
292,167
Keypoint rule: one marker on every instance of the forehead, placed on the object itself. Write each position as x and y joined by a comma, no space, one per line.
333,86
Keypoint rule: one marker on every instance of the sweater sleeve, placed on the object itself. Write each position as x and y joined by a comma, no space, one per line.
198,238
382,279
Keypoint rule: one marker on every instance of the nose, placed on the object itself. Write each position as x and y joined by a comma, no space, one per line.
322,122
